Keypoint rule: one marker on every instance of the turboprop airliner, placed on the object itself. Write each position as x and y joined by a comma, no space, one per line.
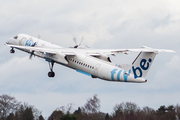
91,62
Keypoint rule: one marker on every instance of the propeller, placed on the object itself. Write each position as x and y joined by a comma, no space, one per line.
82,39
32,53
76,46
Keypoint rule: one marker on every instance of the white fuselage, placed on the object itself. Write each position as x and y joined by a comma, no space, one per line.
86,64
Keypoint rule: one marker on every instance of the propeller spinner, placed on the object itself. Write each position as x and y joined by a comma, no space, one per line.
76,46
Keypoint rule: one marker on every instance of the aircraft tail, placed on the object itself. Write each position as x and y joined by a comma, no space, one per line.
144,60
142,64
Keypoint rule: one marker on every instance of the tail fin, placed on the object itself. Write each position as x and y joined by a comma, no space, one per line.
144,60
142,64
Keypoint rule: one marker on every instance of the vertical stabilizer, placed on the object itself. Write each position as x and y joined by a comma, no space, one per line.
142,64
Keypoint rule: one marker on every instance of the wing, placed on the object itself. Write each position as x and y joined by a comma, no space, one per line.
62,52
53,51
98,52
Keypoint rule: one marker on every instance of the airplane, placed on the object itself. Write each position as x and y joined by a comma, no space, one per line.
88,61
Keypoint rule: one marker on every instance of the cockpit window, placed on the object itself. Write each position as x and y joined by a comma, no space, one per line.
16,37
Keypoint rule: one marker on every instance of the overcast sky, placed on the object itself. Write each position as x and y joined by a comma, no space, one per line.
104,24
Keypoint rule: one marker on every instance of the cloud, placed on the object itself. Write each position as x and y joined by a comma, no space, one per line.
166,75
173,64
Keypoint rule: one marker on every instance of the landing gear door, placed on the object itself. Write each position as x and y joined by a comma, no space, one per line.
96,70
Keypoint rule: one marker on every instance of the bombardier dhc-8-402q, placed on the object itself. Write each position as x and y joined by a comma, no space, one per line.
92,62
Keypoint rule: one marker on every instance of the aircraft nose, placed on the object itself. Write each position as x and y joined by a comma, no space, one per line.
9,41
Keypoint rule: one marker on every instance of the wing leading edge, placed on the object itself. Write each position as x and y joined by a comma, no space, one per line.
61,53
97,52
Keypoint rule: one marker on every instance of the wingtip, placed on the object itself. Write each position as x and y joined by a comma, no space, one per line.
171,51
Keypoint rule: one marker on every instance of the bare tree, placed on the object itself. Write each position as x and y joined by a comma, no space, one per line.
148,113
69,108
66,109
92,105
91,110
126,111
8,105
118,111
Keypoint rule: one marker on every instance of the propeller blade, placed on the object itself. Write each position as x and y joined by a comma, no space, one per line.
32,53
82,39
75,40
30,57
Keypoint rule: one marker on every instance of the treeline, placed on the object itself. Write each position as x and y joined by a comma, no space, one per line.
11,109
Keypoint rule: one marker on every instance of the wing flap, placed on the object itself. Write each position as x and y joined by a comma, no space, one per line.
99,52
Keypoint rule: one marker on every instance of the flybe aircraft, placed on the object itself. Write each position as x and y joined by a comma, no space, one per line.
91,62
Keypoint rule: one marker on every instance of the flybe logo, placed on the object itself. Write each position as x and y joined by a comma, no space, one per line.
114,71
28,42
144,65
